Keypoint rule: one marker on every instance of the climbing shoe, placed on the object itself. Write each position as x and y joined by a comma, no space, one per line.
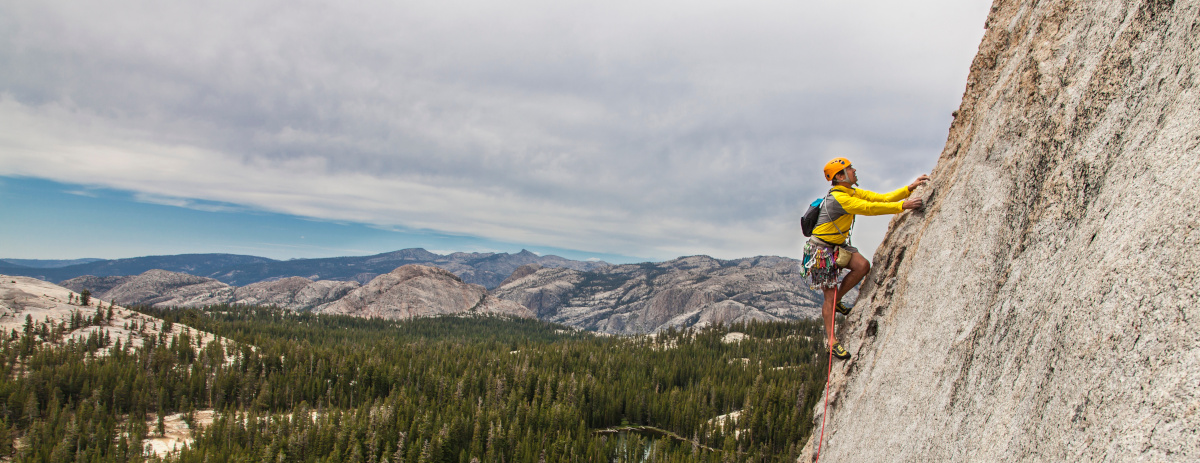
842,309
840,352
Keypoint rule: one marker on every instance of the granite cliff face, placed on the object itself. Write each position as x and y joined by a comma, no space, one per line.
1044,306
420,291
644,298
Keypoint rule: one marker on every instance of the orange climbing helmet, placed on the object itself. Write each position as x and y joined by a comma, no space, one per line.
834,166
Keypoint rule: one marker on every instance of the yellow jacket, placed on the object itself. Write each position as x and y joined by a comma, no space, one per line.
837,216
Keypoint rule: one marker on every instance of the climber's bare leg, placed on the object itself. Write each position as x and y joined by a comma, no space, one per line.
859,267
831,296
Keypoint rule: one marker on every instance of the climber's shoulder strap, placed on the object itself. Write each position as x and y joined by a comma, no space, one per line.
812,216
827,214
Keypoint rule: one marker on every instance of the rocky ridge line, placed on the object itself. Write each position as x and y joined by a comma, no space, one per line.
645,298
421,291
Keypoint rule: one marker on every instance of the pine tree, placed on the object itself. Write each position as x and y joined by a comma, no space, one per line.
6,438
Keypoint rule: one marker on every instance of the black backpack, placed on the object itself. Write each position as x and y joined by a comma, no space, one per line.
809,221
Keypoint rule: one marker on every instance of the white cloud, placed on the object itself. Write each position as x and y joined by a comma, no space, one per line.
639,128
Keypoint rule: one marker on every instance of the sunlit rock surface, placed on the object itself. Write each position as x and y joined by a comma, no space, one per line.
1044,307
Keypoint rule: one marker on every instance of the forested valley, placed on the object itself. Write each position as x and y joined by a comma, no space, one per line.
300,387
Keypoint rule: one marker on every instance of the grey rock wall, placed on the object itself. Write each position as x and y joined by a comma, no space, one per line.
1044,306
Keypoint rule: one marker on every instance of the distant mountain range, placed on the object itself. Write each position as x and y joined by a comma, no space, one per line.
409,291
192,264
46,263
486,269
684,292
615,299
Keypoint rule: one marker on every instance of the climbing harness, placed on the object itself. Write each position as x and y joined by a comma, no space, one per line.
822,263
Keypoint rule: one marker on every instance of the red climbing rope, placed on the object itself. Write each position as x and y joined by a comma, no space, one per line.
826,411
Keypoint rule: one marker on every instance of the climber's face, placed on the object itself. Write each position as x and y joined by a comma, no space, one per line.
849,175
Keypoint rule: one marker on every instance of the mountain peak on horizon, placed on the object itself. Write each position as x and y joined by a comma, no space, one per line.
486,269
408,253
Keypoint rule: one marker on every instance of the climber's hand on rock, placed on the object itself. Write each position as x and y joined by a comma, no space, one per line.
913,204
918,182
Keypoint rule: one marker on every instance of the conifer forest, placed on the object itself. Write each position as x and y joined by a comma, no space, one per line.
301,387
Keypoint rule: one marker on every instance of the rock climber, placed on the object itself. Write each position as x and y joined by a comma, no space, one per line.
828,250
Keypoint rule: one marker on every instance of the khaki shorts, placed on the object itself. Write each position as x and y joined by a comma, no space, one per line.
844,252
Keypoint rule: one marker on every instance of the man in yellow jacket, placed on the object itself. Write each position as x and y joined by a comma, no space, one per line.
829,250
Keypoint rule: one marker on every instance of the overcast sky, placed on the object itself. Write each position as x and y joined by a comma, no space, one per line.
643,129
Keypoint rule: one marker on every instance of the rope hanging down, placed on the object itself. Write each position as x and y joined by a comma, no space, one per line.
826,411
